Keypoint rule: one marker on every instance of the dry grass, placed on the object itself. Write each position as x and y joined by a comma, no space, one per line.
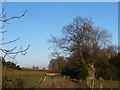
31,78
37,79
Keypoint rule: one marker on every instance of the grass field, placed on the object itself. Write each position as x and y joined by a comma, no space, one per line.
28,78
31,78
111,84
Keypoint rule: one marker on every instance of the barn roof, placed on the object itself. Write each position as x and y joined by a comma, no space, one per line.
53,71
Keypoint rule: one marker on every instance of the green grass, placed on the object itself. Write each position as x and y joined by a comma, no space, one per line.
31,78
110,84
107,84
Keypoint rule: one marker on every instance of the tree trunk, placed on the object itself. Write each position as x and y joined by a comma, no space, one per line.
91,77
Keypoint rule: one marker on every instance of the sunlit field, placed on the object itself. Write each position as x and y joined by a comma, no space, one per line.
30,78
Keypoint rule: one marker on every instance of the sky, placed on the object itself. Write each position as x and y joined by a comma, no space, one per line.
60,0
45,18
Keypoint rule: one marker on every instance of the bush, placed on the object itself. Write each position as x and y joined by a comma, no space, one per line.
18,67
10,65
75,70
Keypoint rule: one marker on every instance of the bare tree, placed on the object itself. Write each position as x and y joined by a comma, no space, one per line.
13,51
82,36
85,39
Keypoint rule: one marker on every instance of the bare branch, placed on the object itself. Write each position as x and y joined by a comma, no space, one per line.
19,51
10,50
5,20
9,42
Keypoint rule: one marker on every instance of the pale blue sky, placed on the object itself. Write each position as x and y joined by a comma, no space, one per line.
60,0
43,19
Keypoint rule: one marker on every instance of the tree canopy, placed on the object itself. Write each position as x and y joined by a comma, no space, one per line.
85,44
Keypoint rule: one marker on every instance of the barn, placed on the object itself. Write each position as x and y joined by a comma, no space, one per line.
53,72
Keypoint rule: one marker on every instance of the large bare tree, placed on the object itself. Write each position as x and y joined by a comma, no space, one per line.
83,38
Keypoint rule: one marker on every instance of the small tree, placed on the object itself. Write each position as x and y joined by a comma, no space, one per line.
57,64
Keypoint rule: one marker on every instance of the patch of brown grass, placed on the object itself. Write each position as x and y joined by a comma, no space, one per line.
67,84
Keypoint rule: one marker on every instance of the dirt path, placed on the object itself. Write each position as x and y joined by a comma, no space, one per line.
67,84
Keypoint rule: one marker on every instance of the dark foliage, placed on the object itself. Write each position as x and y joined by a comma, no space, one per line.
75,69
115,65
9,64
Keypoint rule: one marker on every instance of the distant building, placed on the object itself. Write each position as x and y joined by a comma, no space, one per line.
53,73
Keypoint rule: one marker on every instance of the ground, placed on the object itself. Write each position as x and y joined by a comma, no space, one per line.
37,79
